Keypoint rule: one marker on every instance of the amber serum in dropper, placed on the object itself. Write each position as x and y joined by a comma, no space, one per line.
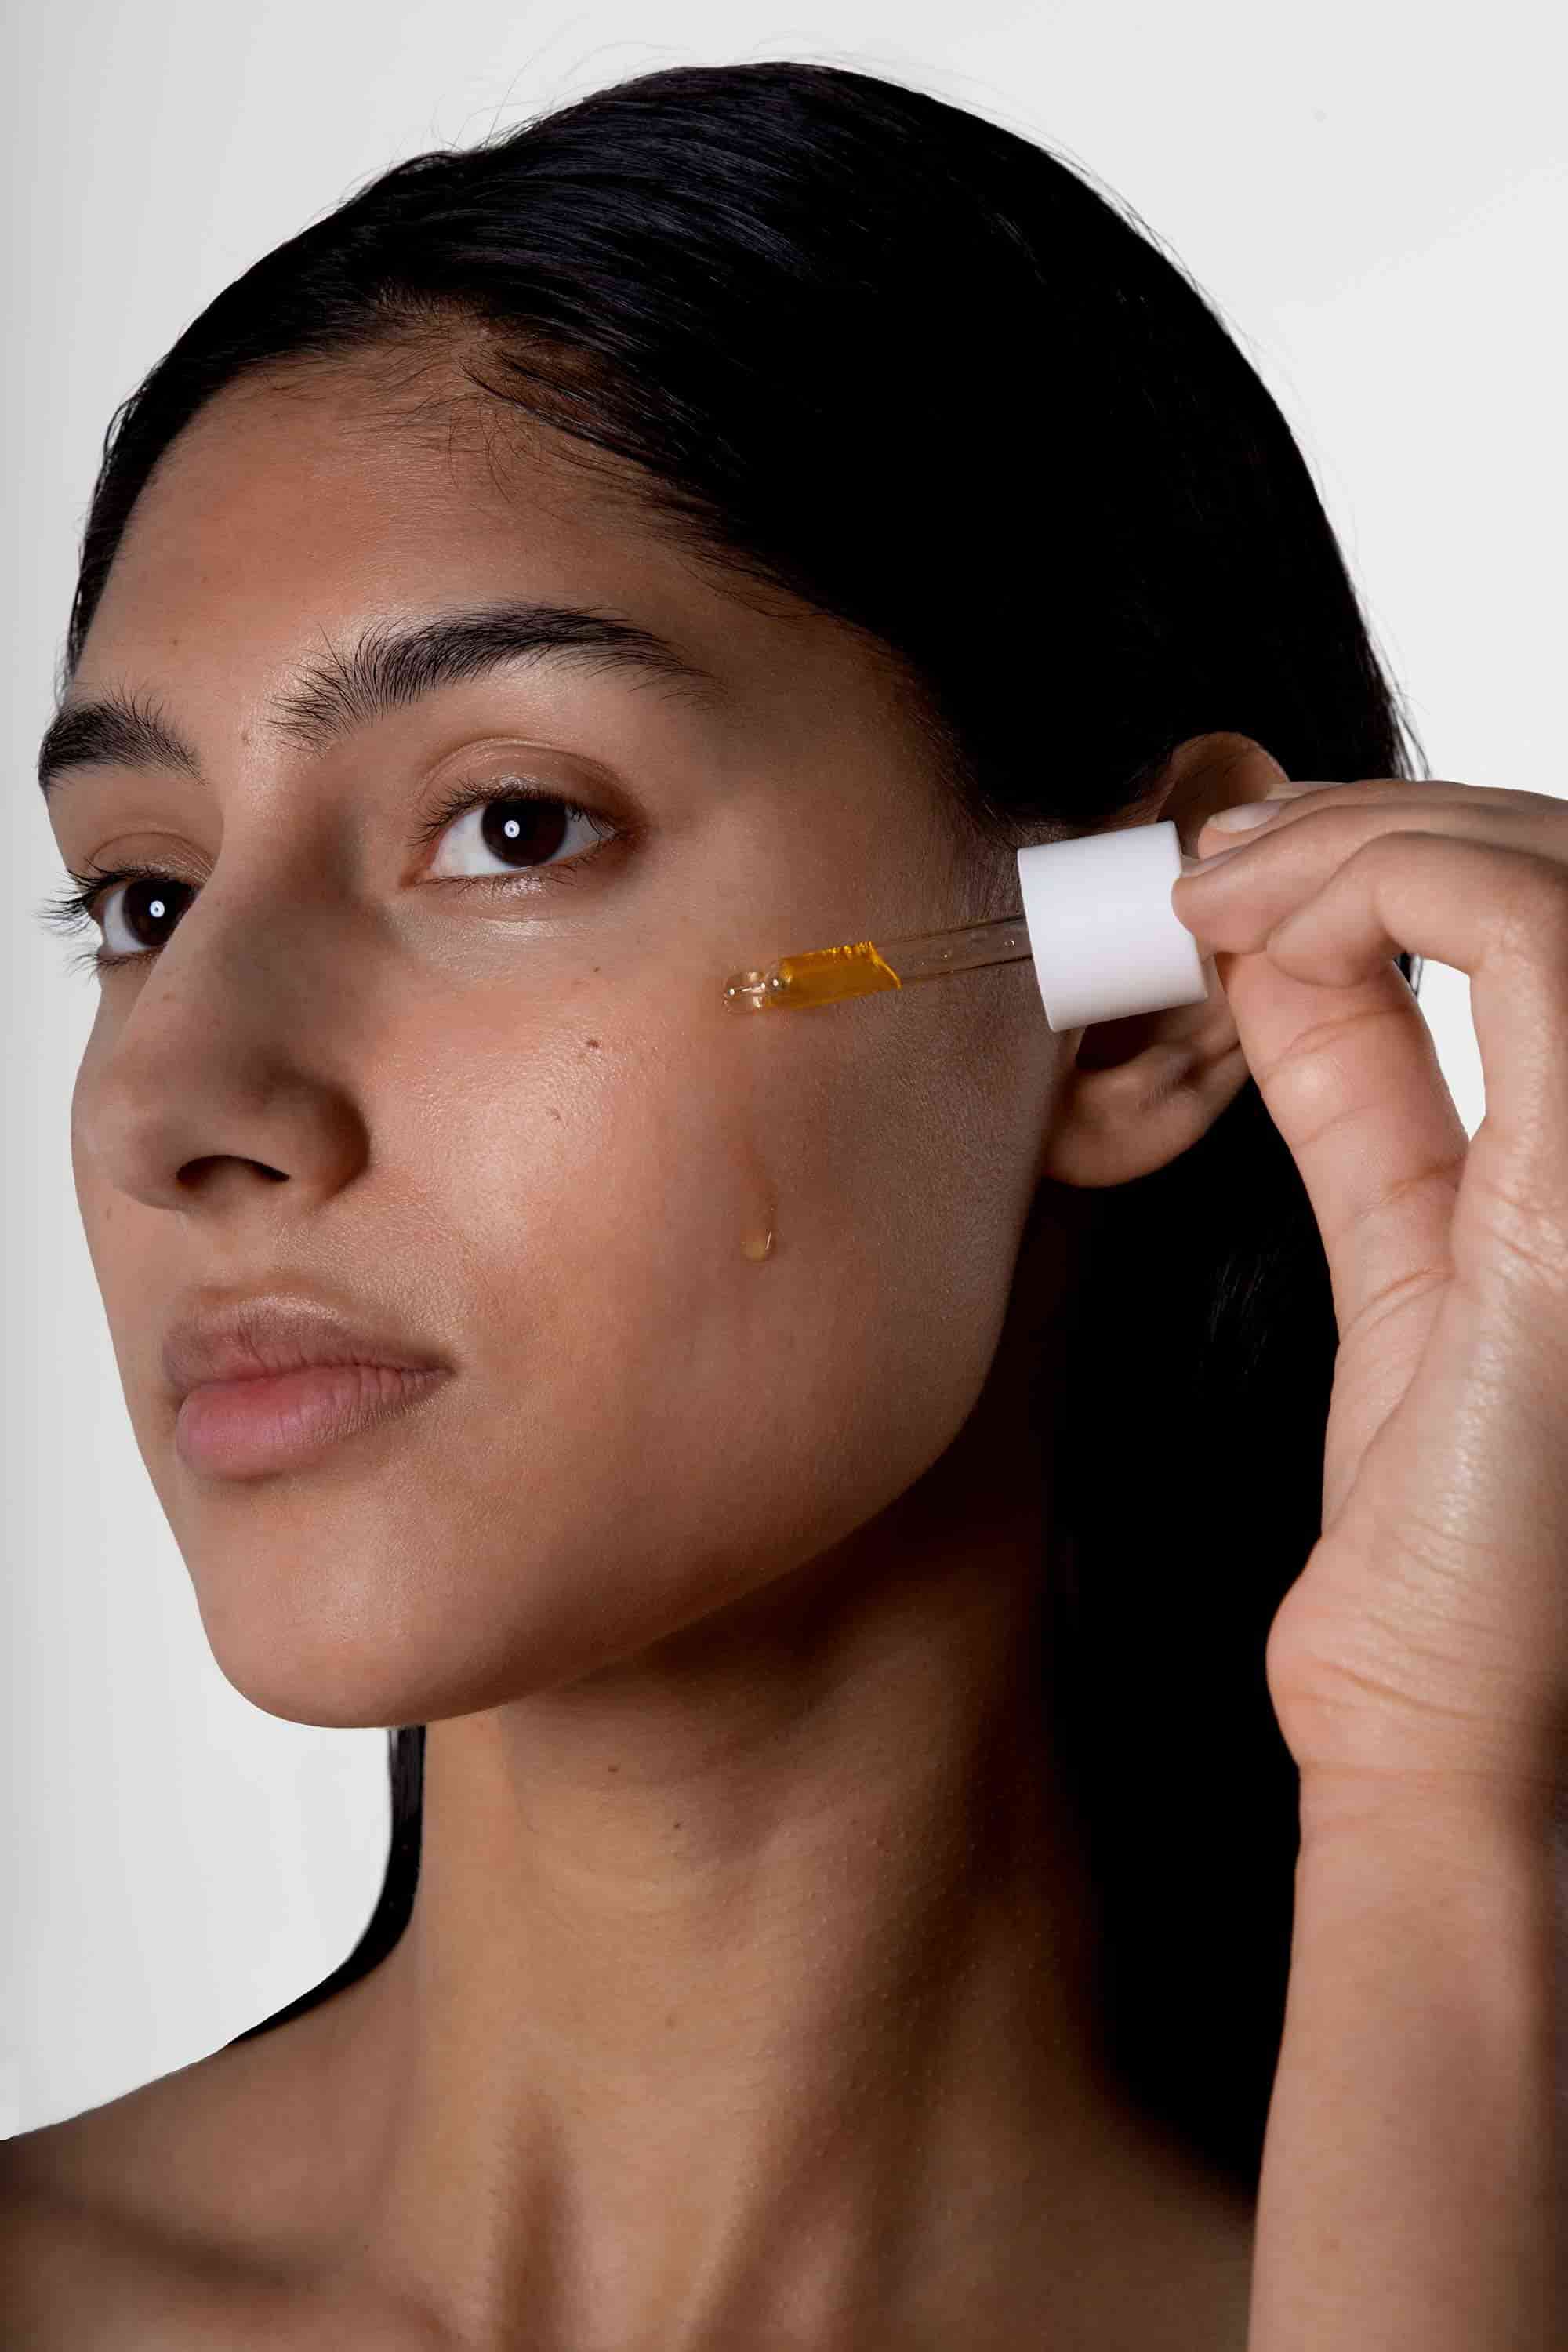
827,975
1097,920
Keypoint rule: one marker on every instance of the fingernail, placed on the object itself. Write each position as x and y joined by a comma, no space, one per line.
1237,820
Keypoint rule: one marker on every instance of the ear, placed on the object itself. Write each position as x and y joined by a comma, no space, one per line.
1141,1091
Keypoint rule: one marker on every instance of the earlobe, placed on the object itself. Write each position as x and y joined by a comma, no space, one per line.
1140,1092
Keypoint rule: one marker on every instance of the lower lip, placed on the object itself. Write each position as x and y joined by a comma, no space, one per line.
242,1429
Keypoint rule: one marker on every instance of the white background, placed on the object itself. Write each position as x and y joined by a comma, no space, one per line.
1375,194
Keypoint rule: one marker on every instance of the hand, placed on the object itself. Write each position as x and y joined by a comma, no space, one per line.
1424,1646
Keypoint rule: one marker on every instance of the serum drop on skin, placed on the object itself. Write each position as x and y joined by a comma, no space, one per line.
1096,921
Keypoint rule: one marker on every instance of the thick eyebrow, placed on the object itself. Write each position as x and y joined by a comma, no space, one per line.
387,668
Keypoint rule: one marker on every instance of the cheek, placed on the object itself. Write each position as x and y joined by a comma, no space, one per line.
712,1264
98,1204
651,1417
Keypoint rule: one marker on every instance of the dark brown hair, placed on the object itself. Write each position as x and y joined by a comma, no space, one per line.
860,342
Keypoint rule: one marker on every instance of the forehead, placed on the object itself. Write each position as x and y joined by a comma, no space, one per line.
310,504
290,519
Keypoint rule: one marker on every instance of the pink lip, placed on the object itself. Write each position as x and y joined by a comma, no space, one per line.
277,1420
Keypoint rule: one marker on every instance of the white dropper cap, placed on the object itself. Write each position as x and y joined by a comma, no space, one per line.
1105,939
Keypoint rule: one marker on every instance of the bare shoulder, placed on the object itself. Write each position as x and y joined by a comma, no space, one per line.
80,2279
195,2210
73,2273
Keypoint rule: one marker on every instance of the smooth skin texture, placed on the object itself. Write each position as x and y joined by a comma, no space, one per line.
1414,2182
746,1997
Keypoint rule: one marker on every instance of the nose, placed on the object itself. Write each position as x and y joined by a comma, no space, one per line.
229,1069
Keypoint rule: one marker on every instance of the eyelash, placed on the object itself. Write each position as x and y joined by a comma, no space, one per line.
69,911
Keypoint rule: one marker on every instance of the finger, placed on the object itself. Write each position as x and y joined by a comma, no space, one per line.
1345,1062
1483,806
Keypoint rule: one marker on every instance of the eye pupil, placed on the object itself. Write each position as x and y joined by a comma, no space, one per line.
144,903
525,829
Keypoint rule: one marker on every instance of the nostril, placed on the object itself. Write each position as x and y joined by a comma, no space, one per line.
194,1171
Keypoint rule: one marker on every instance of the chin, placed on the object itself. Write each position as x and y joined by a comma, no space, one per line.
374,1650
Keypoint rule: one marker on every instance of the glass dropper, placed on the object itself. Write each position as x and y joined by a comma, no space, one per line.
1099,927
827,975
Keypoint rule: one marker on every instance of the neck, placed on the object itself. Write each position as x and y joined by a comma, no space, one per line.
755,1975
748,1992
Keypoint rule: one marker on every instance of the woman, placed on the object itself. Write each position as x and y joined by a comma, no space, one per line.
779,1500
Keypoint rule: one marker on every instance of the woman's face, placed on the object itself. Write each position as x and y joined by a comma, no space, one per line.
493,1099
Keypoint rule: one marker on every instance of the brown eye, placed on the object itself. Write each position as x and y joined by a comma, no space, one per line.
517,830
148,908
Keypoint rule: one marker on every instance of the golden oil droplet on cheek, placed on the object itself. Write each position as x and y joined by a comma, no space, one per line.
747,1205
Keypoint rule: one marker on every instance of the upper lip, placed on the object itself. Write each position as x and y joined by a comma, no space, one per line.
243,1335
